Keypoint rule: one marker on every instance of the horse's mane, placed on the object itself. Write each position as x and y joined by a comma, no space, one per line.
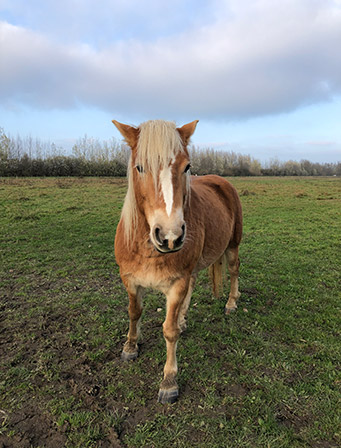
158,143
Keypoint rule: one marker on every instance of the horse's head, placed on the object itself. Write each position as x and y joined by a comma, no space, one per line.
159,180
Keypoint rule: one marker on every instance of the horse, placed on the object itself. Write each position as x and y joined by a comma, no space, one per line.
172,226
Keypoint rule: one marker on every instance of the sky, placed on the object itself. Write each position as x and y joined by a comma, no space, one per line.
262,76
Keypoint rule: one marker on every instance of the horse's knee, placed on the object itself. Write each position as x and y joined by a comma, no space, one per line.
171,333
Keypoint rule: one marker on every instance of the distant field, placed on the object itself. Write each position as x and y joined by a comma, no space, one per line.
266,376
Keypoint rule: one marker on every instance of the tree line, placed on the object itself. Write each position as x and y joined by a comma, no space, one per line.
27,157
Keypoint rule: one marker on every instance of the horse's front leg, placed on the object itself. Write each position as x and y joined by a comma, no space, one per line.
169,391
130,349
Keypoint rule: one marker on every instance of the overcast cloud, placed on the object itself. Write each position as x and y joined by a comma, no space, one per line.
247,59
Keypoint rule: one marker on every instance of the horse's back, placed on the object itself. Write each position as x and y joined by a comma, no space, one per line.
213,183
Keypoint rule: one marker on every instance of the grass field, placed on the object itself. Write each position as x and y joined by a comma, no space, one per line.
266,376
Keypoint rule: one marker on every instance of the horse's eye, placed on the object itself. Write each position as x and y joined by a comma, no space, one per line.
188,167
139,168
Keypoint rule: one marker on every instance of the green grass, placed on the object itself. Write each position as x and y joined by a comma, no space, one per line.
266,376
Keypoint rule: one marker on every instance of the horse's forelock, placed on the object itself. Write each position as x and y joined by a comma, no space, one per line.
159,143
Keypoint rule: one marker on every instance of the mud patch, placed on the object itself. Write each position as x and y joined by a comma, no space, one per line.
251,292
232,390
31,427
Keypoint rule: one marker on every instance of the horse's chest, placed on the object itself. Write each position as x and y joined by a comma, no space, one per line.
149,274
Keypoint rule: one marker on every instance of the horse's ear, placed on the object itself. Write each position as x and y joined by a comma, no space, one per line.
129,133
187,130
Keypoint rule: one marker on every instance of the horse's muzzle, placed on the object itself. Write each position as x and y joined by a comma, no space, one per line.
172,241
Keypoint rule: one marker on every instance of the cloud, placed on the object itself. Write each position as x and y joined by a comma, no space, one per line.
254,58
320,143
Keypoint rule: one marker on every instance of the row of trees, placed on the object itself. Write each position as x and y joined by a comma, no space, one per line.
90,157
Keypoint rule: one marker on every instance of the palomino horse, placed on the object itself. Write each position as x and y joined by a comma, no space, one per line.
172,226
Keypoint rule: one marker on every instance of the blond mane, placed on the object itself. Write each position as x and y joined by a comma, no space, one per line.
158,144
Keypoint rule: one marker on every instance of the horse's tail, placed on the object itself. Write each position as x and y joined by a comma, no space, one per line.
217,273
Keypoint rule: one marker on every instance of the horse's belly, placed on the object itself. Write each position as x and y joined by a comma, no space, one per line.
206,261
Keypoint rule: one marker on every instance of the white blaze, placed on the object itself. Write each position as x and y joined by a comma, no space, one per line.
167,188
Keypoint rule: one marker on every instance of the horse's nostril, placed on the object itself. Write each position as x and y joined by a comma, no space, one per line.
157,235
183,228
160,237
179,241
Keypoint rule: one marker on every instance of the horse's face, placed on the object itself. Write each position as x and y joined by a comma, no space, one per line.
159,181
163,202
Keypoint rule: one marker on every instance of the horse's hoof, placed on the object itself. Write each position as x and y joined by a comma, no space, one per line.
168,396
126,356
229,310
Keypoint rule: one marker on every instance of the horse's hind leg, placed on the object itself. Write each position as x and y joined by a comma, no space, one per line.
185,305
130,349
233,267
